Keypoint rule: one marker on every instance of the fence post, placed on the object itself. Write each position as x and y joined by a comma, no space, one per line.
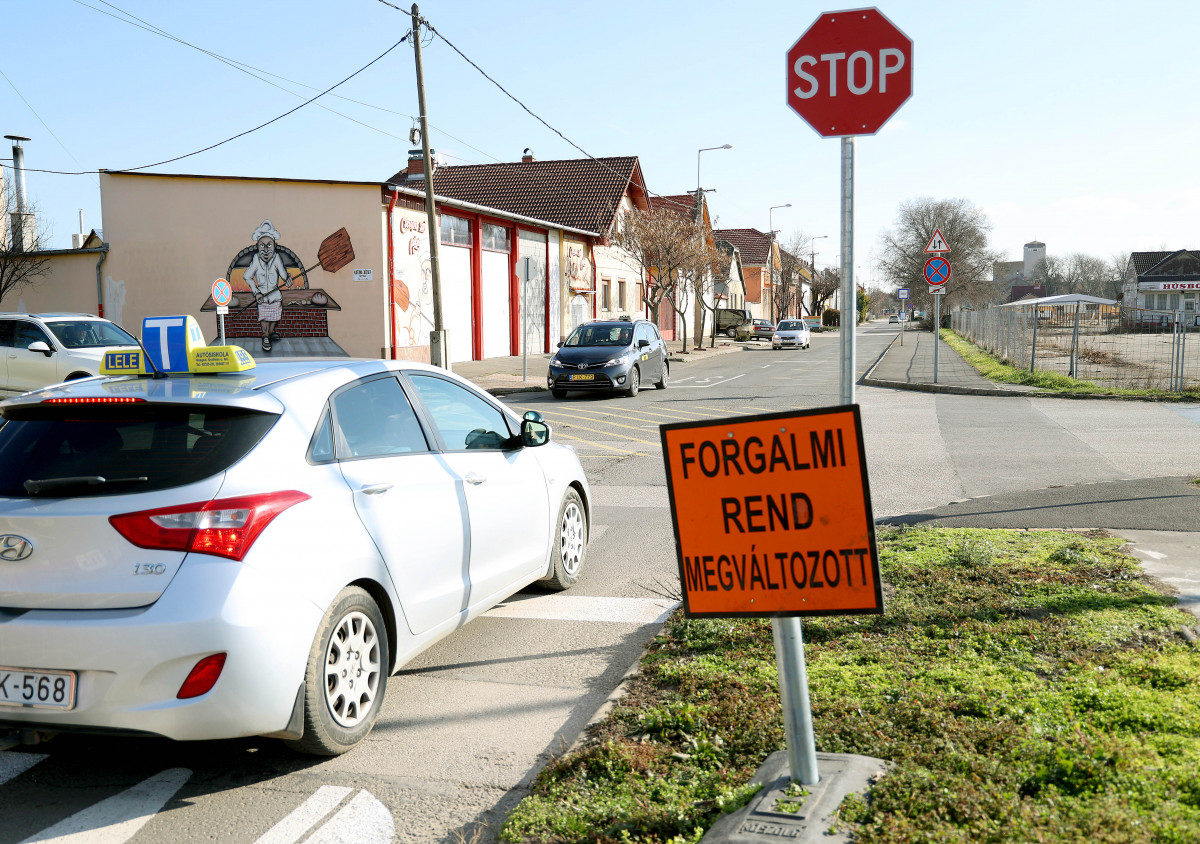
1033,348
1075,345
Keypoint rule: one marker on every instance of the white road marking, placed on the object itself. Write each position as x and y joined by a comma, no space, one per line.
585,608
364,820
1154,555
293,827
120,817
12,765
713,384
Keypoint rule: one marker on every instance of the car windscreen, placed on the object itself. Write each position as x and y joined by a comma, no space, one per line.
601,335
87,333
84,450
791,325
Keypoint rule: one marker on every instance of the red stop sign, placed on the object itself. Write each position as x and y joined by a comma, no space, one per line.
849,72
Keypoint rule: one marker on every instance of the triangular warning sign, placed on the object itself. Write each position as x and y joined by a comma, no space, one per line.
937,243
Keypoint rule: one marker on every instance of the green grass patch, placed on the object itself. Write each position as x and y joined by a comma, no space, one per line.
1023,686
994,369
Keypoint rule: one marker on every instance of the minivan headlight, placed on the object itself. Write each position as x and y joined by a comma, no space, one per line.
623,359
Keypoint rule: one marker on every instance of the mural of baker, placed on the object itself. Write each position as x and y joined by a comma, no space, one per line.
265,277
274,309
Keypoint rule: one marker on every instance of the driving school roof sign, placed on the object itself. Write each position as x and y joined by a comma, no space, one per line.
772,515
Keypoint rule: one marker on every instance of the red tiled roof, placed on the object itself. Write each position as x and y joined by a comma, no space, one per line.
684,203
754,245
580,193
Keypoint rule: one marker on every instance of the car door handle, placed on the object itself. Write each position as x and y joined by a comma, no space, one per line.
374,489
474,480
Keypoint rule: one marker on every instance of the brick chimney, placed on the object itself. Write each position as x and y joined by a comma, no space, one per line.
528,156
416,164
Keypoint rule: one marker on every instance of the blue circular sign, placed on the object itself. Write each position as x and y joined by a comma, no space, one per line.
222,293
937,271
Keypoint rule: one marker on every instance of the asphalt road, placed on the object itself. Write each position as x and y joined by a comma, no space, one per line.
468,724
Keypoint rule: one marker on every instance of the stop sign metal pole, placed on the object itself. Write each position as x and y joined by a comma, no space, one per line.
849,299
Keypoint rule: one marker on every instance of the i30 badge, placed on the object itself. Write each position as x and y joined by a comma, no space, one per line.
14,548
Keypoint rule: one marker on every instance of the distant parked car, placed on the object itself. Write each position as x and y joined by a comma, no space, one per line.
759,329
37,350
893,319
791,334
728,320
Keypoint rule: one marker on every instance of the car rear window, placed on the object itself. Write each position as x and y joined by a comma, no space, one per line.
113,449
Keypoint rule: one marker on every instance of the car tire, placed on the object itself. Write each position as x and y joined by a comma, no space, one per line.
635,382
570,543
731,333
340,708
559,394
666,373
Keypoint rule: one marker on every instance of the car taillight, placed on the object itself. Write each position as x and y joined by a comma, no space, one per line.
226,527
202,677
95,400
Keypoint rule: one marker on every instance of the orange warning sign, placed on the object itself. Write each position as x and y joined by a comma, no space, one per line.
772,515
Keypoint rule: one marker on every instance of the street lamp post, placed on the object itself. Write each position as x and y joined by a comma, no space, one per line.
771,228
699,217
812,264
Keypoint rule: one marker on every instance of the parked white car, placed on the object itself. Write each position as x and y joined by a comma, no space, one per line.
43,349
206,556
791,334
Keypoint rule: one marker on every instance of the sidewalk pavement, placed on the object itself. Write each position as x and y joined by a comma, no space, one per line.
501,376
907,364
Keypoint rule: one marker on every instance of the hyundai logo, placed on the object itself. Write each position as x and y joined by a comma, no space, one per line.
14,548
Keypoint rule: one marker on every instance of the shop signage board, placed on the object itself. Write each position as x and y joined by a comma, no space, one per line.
772,515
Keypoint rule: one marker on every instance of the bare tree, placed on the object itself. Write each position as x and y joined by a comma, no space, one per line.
22,260
1077,273
1118,272
665,247
794,270
965,228
824,286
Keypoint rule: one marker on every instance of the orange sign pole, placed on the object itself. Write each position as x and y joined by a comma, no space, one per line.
772,518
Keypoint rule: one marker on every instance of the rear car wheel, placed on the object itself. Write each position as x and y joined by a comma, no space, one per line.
666,372
570,543
635,382
731,333
347,675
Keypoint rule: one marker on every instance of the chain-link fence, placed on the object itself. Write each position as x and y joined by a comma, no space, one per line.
1109,345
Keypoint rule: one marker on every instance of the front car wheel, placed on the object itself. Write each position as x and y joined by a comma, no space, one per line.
635,382
570,543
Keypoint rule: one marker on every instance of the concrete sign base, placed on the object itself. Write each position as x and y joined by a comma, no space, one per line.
765,817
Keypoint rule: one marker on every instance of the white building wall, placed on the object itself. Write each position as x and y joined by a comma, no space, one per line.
455,265
532,316
556,287
495,307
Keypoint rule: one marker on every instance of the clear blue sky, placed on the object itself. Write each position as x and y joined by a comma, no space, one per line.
1073,123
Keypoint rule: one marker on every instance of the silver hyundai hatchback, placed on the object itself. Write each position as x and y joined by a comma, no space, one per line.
254,553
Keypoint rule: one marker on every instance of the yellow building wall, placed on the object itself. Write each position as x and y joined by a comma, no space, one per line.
171,236
69,285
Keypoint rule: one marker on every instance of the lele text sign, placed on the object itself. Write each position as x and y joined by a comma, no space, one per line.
772,515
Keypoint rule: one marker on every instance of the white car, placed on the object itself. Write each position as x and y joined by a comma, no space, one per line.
255,552
791,334
42,349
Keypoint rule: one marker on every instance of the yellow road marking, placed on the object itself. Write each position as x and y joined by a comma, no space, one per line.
563,436
619,436
601,421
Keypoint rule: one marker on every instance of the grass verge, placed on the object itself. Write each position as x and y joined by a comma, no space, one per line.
994,369
1023,686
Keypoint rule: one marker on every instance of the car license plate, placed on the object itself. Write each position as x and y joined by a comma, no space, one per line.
587,377
39,689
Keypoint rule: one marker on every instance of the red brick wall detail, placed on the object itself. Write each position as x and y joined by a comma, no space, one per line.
296,322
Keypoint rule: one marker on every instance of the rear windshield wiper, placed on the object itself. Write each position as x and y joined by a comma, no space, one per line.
47,484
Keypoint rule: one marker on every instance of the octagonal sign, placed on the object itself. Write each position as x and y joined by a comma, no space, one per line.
849,73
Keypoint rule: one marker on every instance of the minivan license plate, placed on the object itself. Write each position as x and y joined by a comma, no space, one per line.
41,689
588,377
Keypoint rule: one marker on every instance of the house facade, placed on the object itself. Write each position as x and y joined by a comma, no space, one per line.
1166,282
760,266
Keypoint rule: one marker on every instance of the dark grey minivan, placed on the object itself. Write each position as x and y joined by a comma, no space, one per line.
617,355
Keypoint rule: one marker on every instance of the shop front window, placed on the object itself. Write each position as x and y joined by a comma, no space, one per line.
456,231
494,237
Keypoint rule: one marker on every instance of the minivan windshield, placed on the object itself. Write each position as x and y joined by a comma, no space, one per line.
601,335
88,333
68,450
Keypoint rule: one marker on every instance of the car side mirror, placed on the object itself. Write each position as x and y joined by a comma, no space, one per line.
534,433
643,343
533,416
40,346
560,343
